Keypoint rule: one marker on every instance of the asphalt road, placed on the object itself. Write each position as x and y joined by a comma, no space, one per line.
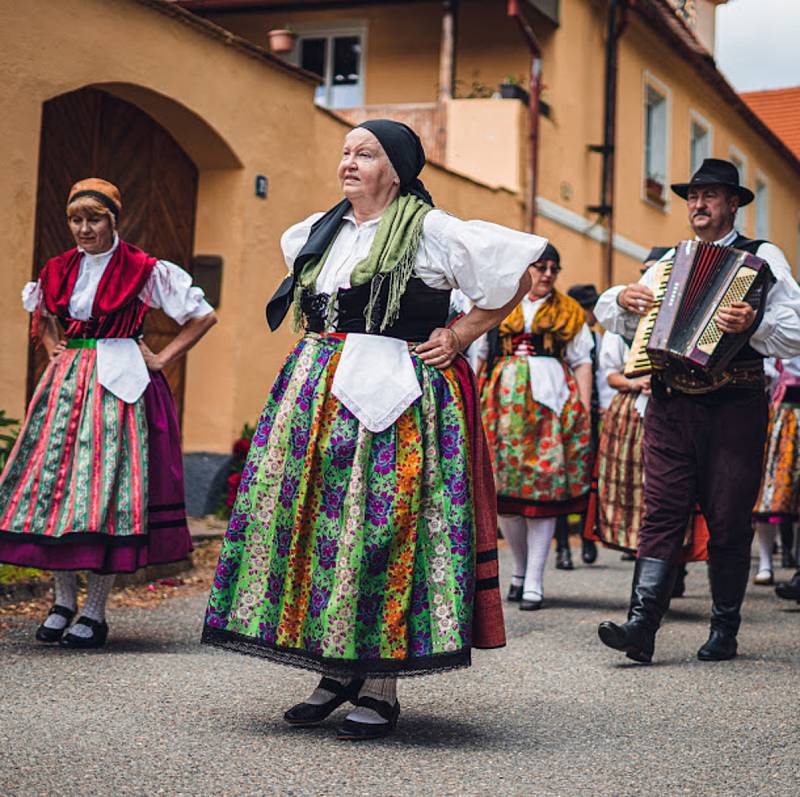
554,713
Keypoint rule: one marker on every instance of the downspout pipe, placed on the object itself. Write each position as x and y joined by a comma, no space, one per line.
535,88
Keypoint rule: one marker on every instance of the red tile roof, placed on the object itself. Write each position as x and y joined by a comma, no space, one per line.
780,109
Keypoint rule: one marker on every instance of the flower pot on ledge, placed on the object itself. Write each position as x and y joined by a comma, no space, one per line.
281,40
513,91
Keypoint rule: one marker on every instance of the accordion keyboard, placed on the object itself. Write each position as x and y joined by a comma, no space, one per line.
638,363
736,292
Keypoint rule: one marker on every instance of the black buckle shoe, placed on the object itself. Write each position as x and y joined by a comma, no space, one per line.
305,714
514,594
721,646
588,551
45,634
636,643
352,731
96,640
789,590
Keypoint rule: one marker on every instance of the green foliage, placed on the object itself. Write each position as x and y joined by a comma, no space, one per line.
10,574
9,429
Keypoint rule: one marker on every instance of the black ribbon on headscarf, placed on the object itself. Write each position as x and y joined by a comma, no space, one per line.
406,154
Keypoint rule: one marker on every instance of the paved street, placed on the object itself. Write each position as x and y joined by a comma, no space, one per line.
554,713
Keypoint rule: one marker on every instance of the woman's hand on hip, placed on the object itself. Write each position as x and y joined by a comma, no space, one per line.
152,360
441,348
57,350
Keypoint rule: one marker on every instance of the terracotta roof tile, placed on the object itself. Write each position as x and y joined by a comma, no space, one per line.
780,110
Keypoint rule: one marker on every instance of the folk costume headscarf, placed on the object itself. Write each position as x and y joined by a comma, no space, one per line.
396,241
117,310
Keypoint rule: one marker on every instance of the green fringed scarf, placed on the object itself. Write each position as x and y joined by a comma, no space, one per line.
391,256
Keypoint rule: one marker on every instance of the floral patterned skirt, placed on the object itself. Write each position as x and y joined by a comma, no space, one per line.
542,461
780,487
349,552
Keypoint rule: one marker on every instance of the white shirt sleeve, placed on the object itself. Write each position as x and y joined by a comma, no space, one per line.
31,296
293,240
483,260
778,334
579,349
170,289
613,351
612,317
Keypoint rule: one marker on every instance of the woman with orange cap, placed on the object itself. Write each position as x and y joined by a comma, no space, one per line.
95,480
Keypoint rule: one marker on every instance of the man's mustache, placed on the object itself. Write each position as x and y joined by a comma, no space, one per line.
700,213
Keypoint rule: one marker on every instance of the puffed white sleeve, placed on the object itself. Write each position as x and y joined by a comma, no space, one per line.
613,351
31,296
293,240
483,260
778,334
579,349
170,289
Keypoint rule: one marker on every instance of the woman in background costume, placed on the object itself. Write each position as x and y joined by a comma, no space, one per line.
779,497
362,542
535,403
95,480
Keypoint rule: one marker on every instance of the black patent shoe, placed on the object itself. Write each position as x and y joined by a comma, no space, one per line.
789,590
96,640
514,594
45,634
721,646
528,605
564,559
636,643
589,551
304,714
362,731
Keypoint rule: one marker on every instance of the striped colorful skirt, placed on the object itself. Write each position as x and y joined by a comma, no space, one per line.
542,461
350,552
616,505
93,483
780,486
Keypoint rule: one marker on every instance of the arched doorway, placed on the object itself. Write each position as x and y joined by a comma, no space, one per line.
89,133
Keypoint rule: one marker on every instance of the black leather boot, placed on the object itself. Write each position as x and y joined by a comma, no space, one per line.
789,590
728,579
563,552
653,581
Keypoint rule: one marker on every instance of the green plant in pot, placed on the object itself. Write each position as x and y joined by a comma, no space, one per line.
512,89
282,40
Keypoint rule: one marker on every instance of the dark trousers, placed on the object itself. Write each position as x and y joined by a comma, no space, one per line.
705,449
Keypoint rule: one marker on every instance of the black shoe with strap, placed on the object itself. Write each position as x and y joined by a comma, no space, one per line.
653,582
304,714
96,640
45,634
352,731
728,580
789,590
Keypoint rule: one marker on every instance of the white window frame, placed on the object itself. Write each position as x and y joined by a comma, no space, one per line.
743,215
760,178
649,80
329,31
696,118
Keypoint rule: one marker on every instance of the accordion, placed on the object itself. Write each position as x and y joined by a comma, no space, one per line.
680,336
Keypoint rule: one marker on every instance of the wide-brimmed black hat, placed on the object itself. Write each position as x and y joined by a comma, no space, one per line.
584,295
715,171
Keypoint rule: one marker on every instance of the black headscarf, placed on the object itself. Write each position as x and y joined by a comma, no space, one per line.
406,154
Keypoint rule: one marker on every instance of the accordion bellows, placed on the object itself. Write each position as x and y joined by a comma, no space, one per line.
680,335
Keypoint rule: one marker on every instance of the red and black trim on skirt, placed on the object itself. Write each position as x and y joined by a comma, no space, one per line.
507,505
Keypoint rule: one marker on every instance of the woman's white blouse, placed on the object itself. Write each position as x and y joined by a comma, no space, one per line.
613,353
484,261
120,366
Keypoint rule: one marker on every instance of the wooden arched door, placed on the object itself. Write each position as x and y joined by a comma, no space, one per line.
90,133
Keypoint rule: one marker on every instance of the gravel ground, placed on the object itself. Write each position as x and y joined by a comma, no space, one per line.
555,713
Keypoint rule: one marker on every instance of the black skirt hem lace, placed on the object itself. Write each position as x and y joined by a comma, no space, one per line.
365,668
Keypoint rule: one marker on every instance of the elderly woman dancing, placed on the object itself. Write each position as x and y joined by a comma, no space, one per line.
95,480
363,539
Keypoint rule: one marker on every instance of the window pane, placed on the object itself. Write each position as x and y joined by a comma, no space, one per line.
762,210
346,60
656,135
312,55
700,146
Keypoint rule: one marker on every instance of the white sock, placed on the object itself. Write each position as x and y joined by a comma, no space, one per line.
516,534
384,689
95,606
540,535
320,696
65,587
766,541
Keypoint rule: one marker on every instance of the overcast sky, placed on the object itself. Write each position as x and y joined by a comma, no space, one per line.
758,43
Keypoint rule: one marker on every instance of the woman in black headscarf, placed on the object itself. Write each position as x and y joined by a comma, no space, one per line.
360,544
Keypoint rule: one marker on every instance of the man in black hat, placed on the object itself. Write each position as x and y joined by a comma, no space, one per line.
705,447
